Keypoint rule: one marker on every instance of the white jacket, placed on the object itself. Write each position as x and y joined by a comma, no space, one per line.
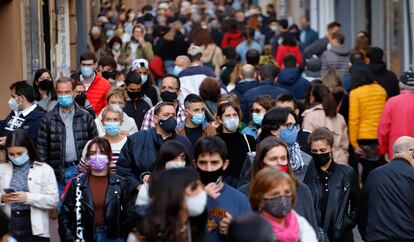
42,195
128,125
306,232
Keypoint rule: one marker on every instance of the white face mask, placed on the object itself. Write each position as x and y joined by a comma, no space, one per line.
196,204
13,104
231,124
174,164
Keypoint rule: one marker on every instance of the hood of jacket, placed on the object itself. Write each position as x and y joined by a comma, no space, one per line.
340,50
243,87
377,68
288,76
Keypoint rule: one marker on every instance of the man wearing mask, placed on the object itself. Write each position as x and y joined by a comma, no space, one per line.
181,62
224,202
140,66
170,90
195,122
24,115
137,104
387,202
64,132
138,156
106,67
96,86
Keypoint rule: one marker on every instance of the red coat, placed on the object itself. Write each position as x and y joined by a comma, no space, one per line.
396,121
283,50
96,93
231,39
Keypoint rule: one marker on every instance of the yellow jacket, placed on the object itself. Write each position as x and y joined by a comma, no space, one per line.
365,108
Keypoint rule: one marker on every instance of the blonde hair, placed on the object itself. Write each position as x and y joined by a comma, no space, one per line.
332,80
114,109
116,91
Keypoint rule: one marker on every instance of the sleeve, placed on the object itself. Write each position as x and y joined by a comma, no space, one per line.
384,129
67,217
354,117
125,53
306,232
43,140
128,208
48,198
126,158
308,123
148,52
218,60
224,42
309,210
344,142
279,56
146,122
92,130
324,63
298,56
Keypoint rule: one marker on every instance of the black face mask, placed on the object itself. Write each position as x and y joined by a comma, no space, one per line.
108,75
321,159
168,125
135,95
167,96
207,177
46,85
80,99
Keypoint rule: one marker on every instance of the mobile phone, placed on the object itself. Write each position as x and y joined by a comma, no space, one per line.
9,190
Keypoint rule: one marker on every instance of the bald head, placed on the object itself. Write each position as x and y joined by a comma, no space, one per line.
402,147
182,61
247,71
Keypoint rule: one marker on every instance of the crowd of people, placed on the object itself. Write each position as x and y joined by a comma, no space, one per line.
211,121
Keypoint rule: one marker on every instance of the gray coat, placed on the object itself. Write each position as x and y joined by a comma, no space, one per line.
336,58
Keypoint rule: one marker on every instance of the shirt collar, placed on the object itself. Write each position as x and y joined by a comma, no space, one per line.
26,111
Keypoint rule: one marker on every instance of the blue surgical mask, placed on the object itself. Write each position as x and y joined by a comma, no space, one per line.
289,135
198,118
19,161
258,118
177,70
65,101
87,71
112,128
144,79
231,124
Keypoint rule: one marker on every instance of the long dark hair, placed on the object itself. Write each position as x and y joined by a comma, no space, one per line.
21,138
167,195
322,95
36,77
273,119
169,151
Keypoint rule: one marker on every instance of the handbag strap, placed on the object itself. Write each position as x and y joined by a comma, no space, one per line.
247,142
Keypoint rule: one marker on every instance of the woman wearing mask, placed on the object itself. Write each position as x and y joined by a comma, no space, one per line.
272,152
322,112
97,202
177,211
112,120
282,123
336,189
116,96
273,195
115,45
28,189
213,57
260,106
238,145
45,93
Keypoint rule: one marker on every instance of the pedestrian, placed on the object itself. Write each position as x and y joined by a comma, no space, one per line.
181,62
45,93
64,132
332,80
335,189
210,92
273,195
233,36
337,56
307,34
247,44
81,99
288,46
224,202
396,118
260,106
366,104
313,67
290,77
322,112
387,203
95,42
250,227
95,203
141,67
28,189
319,46
238,145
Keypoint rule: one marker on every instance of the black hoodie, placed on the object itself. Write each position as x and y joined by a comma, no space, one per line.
387,79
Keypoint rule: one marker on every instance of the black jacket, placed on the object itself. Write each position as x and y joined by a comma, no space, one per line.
150,91
239,90
387,79
117,207
52,136
30,123
341,210
137,110
387,211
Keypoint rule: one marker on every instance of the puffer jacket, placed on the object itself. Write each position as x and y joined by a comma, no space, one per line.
366,104
52,136
315,117
291,80
117,207
336,58
343,200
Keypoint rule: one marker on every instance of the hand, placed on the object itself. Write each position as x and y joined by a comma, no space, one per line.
359,151
386,157
128,60
225,223
213,190
18,197
5,197
146,178
141,41
3,140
